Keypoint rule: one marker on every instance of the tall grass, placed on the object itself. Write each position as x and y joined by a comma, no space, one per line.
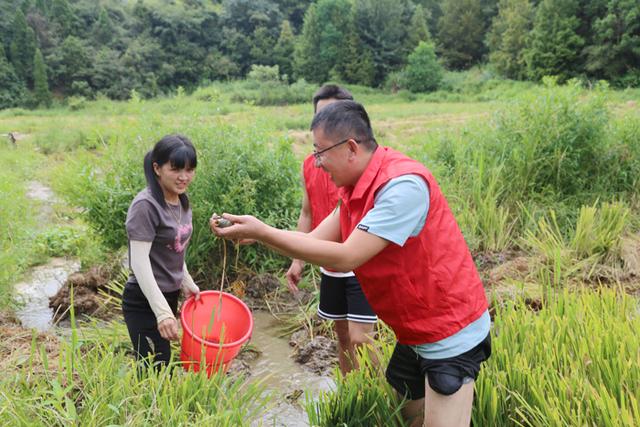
362,397
93,382
18,216
554,146
576,362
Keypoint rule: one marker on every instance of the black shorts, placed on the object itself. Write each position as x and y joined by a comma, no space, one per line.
142,324
407,370
341,298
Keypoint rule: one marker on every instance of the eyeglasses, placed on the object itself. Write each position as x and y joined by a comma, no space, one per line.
318,154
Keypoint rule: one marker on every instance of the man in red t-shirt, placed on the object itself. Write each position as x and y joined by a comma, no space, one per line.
341,297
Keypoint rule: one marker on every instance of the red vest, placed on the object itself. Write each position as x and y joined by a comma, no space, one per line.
428,289
321,191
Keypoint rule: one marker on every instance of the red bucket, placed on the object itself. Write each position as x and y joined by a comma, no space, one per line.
214,329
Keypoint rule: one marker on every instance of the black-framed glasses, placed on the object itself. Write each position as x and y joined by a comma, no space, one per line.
318,154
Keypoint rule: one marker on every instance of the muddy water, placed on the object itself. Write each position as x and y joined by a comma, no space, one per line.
32,295
42,282
283,378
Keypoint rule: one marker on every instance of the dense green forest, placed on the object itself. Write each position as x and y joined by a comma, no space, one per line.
59,48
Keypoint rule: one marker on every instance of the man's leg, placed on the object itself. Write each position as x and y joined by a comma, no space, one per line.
351,336
448,411
362,319
360,334
413,412
344,344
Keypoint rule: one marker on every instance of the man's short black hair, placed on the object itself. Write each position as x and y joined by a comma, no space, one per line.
345,119
330,92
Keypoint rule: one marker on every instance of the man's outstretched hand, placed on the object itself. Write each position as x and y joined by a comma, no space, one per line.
244,228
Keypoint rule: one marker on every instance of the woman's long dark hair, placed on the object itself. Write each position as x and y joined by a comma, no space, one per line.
179,152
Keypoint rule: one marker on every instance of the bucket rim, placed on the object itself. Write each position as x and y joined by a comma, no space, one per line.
185,327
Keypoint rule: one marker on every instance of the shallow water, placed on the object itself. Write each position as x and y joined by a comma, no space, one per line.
281,375
32,295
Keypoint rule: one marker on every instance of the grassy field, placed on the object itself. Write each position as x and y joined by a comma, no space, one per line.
543,180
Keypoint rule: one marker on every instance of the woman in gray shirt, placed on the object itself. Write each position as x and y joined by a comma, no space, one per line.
159,228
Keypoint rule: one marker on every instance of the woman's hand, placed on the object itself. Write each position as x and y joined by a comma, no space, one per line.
168,329
244,228
191,289
195,292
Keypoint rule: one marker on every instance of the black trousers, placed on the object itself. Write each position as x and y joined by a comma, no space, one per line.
143,326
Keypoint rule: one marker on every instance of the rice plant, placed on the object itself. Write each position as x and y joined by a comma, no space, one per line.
362,398
575,362
594,245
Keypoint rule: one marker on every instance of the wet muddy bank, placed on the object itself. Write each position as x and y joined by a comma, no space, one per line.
33,294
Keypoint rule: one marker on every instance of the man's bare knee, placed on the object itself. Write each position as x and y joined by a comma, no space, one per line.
453,410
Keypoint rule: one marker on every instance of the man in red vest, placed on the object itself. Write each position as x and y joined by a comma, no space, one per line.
394,228
341,297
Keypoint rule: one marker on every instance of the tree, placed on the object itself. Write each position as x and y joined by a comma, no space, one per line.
418,31
507,38
64,18
461,33
283,51
293,11
306,48
250,29
616,48
321,49
11,87
554,46
71,61
218,66
40,83
43,7
423,72
382,27
45,35
433,12
109,75
103,28
23,47
26,6
262,47
588,12
358,67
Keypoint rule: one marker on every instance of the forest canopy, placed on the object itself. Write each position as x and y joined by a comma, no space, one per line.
60,48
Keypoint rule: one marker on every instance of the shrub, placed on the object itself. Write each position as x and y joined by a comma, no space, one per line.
273,93
239,171
423,72
264,73
61,139
76,103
